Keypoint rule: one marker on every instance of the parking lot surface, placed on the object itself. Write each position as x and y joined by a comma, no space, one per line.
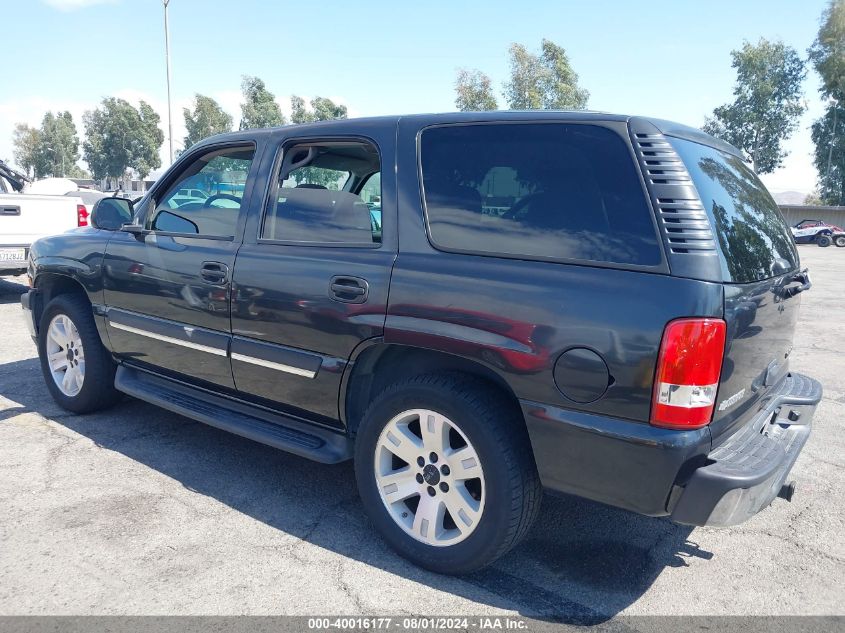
140,511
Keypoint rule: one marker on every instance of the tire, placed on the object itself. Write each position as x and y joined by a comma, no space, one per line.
840,241
496,509
824,241
74,328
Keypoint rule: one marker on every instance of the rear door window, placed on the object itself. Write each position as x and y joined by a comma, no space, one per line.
755,242
318,199
536,191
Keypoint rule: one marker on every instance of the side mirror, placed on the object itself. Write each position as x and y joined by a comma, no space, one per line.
110,214
172,223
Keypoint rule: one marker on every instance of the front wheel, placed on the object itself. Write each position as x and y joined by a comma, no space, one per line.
824,241
445,471
78,370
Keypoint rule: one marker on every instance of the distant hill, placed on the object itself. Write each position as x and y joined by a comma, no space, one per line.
789,197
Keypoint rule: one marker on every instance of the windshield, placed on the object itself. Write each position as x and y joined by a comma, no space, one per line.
754,241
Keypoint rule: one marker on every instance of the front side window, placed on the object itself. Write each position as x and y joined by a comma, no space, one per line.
324,195
544,191
206,198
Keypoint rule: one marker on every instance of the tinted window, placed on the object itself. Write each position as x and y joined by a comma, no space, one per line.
559,191
206,197
754,240
316,201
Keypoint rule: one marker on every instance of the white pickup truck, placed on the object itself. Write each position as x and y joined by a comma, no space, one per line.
25,217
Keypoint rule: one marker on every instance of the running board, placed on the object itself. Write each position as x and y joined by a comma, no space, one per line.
271,428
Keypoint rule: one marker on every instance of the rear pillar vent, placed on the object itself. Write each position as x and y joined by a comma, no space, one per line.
681,217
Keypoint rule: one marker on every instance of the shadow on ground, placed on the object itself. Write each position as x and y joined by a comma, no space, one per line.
583,562
11,289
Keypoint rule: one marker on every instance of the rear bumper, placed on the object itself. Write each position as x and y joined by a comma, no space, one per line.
747,471
630,465
661,472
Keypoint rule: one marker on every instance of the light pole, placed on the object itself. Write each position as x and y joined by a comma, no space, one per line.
167,60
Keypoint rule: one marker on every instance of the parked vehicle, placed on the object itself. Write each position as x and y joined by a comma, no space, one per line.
187,196
834,237
25,217
590,303
816,231
89,197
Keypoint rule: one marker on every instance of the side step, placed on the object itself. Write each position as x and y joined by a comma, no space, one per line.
274,429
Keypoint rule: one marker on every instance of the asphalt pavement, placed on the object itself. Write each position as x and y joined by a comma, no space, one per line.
140,511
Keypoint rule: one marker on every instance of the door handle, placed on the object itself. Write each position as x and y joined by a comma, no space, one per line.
349,289
215,273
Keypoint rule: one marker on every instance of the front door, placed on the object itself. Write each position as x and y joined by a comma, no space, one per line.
312,276
167,289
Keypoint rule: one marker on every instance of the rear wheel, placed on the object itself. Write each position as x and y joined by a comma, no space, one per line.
445,471
824,241
840,241
78,370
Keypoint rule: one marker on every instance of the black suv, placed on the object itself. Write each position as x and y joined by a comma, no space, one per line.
473,306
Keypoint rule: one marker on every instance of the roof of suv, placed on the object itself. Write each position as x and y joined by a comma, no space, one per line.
669,128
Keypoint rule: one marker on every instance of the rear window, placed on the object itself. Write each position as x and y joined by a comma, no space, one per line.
754,241
536,191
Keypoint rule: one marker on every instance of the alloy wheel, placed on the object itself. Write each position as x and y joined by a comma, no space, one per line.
429,477
65,355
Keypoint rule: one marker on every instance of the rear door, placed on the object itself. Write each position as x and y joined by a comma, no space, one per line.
311,279
167,289
760,267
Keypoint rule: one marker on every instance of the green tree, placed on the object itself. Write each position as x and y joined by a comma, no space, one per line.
474,91
767,103
119,137
828,56
813,199
146,146
322,109
544,81
828,51
206,119
58,149
327,110
560,81
259,108
829,156
299,111
26,141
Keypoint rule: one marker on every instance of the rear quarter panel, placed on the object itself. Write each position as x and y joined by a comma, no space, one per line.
517,317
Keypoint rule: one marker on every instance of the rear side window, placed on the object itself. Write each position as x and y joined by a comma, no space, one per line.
318,196
755,242
536,191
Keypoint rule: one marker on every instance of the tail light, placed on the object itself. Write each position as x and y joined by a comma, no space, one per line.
81,215
688,370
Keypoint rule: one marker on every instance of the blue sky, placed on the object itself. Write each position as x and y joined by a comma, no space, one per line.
659,58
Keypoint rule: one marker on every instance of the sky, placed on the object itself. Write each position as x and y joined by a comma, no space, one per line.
668,59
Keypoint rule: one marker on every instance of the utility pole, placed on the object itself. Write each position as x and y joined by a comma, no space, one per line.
167,60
